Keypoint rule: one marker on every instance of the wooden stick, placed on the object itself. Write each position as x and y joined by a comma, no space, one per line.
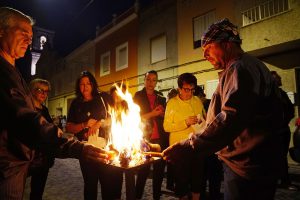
153,154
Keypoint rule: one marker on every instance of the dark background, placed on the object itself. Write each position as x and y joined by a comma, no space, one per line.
74,21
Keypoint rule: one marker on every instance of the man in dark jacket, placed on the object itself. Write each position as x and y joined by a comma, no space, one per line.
152,105
22,129
285,133
242,120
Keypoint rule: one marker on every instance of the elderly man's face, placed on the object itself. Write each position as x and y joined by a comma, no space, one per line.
215,53
16,39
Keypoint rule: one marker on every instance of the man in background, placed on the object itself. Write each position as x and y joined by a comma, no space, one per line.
152,104
285,133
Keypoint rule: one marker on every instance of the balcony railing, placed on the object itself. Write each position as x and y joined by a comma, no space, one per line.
265,10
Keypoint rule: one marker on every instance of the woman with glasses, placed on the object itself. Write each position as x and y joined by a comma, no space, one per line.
40,89
184,115
85,118
40,168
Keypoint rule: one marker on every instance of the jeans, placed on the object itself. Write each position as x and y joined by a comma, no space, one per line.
239,188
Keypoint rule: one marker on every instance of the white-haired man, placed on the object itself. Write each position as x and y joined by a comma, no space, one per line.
22,129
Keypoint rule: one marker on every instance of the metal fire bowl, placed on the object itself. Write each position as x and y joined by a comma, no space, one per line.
136,166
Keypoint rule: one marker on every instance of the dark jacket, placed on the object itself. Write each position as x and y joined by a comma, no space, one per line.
141,99
22,129
288,107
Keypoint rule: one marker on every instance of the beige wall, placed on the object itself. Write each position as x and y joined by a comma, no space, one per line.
59,102
63,81
187,10
159,19
275,30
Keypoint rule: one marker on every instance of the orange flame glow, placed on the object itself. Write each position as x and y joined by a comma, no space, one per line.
126,135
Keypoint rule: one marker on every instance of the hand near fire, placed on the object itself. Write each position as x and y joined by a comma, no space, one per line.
91,122
177,152
94,154
147,146
151,149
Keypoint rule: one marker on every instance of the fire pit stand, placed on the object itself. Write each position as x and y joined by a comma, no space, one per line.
129,172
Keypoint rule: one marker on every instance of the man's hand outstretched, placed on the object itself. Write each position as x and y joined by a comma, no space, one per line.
177,152
94,154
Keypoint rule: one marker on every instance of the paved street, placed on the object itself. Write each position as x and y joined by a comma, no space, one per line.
65,183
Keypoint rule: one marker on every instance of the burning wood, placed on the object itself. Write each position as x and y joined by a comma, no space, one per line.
125,143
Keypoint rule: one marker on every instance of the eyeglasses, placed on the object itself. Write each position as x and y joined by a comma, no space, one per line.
188,89
41,91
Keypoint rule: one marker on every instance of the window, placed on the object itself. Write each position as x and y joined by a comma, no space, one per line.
264,10
105,64
122,56
200,25
158,48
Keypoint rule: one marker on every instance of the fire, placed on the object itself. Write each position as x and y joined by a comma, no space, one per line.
126,135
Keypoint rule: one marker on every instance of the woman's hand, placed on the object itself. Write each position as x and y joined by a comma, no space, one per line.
90,122
191,120
158,110
94,128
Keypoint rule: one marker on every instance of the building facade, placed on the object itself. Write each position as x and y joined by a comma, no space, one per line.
62,73
157,43
116,51
268,28
165,36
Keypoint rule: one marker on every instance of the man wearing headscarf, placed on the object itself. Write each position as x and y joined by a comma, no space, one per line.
242,119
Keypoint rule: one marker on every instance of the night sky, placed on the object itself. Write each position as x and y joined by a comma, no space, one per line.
74,21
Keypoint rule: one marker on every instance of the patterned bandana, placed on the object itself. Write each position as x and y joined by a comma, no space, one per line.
221,31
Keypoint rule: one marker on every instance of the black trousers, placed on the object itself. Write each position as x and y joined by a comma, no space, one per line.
110,180
285,138
213,173
158,175
38,182
38,170
188,174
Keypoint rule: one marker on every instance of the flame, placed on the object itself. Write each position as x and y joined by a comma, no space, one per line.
126,135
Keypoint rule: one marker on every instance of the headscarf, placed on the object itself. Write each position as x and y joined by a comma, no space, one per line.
221,31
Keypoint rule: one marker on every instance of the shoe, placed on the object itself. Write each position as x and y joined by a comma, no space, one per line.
292,187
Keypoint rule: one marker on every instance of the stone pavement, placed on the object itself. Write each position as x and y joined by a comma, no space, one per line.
65,183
